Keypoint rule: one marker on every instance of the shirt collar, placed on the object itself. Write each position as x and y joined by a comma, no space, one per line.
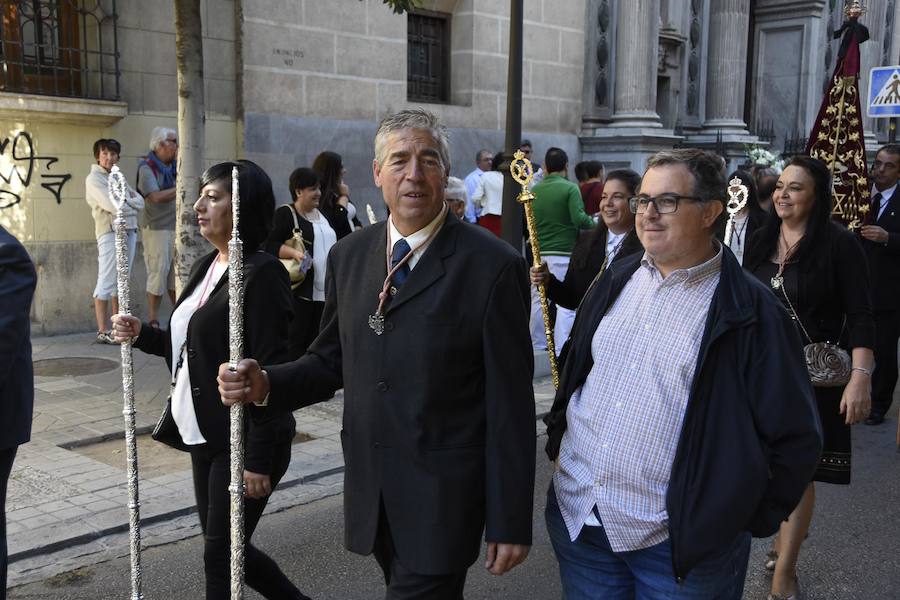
887,194
691,275
415,239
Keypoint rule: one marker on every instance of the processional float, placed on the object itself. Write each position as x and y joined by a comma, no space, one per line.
118,193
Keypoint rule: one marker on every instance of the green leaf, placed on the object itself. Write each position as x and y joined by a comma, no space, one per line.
401,6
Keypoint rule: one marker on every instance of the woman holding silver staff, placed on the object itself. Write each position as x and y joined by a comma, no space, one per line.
596,248
196,342
818,270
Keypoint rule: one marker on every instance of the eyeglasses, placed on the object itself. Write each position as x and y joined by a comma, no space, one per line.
664,203
168,141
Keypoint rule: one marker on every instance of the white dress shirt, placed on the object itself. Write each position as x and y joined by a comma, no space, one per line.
324,238
886,196
418,241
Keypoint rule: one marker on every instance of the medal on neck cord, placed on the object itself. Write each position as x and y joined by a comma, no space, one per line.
737,200
376,321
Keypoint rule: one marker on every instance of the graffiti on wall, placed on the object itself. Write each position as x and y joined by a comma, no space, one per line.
18,167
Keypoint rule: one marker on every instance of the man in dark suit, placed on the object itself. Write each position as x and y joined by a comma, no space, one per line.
436,365
881,239
17,282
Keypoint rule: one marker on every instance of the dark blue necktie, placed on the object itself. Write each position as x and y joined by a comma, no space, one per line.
401,249
875,208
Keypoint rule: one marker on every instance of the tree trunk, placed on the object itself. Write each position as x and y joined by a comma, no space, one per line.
189,245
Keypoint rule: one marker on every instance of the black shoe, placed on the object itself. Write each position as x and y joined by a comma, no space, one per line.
875,419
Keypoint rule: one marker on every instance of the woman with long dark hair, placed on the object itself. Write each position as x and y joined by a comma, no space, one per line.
318,237
194,345
818,270
597,248
335,204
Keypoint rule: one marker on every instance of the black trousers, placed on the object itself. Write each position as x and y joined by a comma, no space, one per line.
887,330
7,456
211,479
403,584
304,326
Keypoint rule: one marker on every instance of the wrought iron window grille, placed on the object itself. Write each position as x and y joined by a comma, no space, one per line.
59,48
428,57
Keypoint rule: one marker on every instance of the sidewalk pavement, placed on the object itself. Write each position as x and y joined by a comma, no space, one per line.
68,485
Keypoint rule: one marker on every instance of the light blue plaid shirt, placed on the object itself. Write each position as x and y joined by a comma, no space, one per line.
625,421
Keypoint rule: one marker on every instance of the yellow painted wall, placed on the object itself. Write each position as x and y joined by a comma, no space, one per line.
38,217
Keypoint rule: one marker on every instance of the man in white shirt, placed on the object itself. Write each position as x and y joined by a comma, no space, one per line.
482,165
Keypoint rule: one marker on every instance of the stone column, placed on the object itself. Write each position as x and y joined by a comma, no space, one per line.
637,41
727,66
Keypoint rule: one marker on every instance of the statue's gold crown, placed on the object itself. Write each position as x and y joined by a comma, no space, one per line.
854,9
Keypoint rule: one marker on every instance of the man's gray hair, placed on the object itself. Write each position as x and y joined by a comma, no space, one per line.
159,135
705,167
413,118
481,153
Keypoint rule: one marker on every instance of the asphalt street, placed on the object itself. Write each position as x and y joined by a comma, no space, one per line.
851,552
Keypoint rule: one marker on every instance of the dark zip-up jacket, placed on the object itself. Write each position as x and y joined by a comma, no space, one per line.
750,439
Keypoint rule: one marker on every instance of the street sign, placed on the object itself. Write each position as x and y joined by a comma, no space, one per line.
884,92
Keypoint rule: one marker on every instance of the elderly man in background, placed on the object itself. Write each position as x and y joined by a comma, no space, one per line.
456,197
697,428
483,159
96,193
436,367
156,182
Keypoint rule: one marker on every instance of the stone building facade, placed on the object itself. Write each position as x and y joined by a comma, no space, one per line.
286,79
721,74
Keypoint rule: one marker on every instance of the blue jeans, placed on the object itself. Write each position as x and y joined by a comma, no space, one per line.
590,570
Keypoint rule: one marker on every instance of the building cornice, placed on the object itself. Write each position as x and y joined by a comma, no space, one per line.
58,109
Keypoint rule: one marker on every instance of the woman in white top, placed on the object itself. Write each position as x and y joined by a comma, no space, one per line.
318,238
489,196
195,343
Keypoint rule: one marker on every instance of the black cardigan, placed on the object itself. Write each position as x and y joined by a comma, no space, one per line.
832,281
587,258
282,231
267,311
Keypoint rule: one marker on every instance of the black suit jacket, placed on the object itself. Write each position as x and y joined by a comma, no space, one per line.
267,311
884,259
439,420
17,282
587,258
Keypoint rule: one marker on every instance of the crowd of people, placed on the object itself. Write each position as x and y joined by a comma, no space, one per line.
691,413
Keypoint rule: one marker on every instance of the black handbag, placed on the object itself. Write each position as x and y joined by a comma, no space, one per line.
166,430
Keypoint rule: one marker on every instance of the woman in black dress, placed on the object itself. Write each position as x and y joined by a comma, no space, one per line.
818,270
613,238
308,297
196,342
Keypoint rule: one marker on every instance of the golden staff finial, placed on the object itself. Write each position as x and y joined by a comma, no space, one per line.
523,172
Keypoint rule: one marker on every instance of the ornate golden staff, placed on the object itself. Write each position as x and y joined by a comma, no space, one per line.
737,200
118,193
236,351
523,172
